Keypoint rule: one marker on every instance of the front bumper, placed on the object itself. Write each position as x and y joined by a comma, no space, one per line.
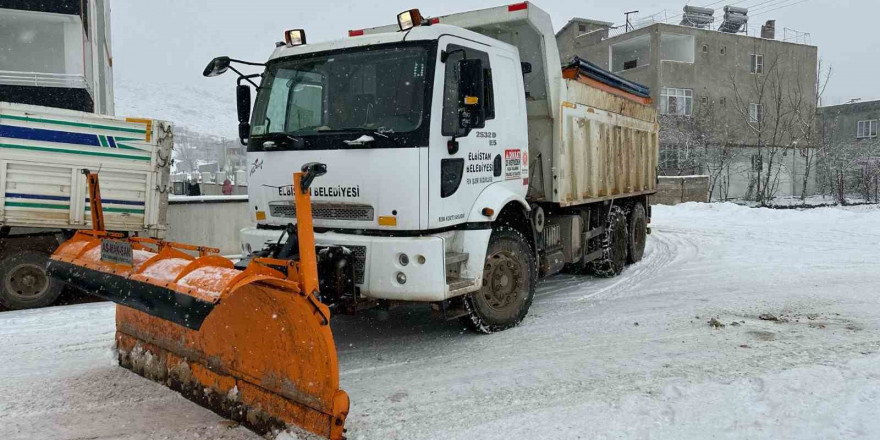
377,262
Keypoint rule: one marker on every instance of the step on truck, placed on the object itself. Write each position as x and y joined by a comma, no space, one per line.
44,152
465,161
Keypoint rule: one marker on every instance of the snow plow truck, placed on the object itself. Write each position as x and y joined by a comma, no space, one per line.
460,161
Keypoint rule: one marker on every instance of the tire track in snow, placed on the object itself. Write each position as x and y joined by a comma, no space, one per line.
577,292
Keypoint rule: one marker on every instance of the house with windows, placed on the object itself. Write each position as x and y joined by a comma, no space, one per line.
57,54
850,134
714,92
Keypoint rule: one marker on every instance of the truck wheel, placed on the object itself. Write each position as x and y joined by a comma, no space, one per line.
509,278
613,245
24,283
638,234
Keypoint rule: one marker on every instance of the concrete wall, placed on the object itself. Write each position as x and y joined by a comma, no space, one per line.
209,221
580,33
681,189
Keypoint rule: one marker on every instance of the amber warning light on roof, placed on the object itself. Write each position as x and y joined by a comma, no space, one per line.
295,37
409,19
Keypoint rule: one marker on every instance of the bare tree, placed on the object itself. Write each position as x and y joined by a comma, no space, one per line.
778,112
848,165
691,145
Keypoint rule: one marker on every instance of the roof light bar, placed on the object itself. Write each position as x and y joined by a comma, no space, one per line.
409,19
295,37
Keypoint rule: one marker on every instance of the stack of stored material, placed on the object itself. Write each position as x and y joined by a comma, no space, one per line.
607,91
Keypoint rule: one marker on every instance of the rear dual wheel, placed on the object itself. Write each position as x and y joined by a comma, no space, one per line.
637,229
614,244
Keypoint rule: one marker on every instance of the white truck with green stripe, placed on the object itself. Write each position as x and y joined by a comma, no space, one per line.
44,196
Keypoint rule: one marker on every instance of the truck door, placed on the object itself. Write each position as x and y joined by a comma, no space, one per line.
458,177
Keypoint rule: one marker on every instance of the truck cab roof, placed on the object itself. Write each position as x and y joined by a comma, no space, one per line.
418,33
521,27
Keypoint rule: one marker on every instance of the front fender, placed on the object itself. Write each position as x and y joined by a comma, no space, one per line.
495,197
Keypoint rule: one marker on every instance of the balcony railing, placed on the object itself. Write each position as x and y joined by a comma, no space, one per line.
38,79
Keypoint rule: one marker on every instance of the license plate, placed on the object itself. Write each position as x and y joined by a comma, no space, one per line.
116,251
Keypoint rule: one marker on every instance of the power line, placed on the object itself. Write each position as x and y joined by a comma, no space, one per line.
720,11
780,7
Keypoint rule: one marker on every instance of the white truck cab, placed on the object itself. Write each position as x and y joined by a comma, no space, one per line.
457,174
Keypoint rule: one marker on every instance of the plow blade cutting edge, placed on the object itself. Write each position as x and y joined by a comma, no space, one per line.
253,345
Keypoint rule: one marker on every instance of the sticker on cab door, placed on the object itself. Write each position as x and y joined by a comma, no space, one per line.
513,164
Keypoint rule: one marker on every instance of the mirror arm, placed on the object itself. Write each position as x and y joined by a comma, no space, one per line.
247,78
247,63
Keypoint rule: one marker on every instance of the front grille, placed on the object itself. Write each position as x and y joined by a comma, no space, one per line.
325,211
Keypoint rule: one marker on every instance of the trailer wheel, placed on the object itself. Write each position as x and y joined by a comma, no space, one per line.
613,243
638,234
509,278
24,283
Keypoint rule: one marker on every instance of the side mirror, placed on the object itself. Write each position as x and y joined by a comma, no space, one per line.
243,102
471,96
217,66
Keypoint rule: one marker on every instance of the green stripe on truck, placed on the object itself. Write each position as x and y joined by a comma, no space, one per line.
73,124
61,150
36,205
122,210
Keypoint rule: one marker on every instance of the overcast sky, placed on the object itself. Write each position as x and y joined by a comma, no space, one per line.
163,41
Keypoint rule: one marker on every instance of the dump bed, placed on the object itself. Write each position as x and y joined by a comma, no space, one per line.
44,150
609,147
609,142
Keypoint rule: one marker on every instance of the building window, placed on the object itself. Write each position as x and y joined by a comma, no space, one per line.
582,28
757,162
723,50
722,101
756,113
705,48
867,129
705,100
756,64
676,101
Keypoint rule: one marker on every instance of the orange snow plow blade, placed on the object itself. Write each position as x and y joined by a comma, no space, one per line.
253,345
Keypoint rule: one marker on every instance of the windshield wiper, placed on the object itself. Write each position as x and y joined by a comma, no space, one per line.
275,140
373,132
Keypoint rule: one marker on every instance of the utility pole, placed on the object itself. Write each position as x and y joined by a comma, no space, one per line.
629,25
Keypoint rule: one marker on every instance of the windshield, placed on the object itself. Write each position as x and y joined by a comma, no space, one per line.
380,90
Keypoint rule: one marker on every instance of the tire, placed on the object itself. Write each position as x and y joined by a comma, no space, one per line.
637,234
509,279
613,244
24,283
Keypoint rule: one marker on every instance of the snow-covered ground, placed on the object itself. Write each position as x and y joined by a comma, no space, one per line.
632,357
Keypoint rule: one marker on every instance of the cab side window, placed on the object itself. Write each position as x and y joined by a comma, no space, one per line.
450,87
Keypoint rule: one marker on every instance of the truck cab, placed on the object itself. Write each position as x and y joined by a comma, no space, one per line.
401,185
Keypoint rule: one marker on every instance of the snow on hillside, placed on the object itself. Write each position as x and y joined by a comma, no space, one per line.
207,109
795,352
